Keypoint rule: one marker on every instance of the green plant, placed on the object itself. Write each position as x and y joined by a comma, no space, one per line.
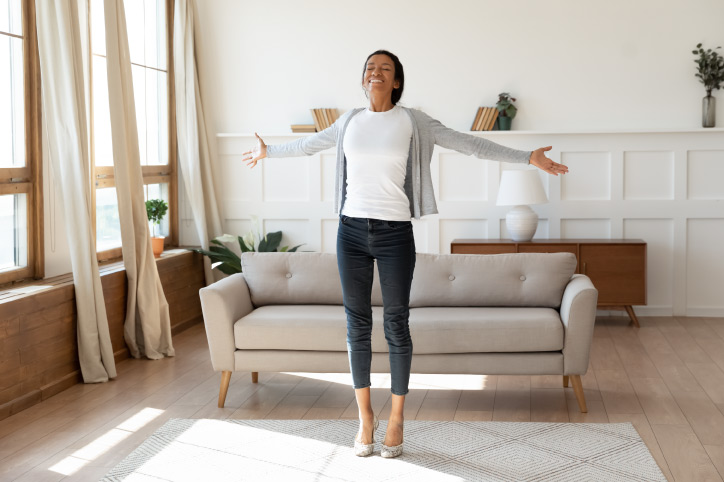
711,68
156,210
227,261
505,105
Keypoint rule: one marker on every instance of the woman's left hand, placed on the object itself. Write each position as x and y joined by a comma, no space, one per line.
539,160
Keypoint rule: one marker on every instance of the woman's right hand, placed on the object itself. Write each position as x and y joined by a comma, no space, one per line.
259,152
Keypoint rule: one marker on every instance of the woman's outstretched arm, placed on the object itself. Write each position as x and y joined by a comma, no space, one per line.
305,146
486,149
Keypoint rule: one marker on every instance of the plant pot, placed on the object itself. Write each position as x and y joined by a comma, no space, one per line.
708,117
157,244
504,123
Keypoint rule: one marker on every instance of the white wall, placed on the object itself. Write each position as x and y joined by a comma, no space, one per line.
571,64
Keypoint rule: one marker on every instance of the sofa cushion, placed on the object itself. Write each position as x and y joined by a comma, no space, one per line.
518,279
433,330
297,278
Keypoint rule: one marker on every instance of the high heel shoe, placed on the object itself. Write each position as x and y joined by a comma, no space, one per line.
363,450
390,452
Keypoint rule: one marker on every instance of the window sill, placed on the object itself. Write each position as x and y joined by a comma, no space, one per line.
21,289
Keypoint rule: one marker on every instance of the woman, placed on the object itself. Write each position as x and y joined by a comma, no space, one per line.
383,179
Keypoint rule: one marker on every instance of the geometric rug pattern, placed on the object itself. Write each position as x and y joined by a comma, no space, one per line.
321,451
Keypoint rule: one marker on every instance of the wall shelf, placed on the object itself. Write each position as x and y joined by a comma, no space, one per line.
699,130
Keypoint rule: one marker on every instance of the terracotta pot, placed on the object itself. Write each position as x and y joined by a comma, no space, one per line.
157,243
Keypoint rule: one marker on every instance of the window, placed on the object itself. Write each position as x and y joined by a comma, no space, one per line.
21,234
149,40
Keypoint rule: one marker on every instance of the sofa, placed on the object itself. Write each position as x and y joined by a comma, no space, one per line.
503,314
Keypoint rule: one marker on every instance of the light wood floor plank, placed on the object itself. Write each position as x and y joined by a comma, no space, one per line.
703,416
658,404
512,399
548,405
641,423
617,392
711,378
685,456
716,454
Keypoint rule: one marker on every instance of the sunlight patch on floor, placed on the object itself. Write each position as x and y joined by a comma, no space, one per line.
83,456
417,381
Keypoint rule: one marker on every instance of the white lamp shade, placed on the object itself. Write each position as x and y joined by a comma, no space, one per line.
521,186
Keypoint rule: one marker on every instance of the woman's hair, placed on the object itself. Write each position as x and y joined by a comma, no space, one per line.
399,74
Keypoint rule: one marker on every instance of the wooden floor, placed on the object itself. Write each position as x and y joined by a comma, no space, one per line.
667,378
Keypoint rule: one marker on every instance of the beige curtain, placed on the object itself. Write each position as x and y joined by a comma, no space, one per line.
194,158
147,328
62,44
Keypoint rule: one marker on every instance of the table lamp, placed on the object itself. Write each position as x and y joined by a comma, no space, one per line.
520,188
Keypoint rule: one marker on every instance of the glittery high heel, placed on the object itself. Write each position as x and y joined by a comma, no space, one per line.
363,450
390,452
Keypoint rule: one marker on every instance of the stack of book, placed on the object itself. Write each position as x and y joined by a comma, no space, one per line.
485,119
303,128
323,118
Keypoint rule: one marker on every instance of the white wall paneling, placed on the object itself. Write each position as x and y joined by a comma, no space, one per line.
661,186
705,267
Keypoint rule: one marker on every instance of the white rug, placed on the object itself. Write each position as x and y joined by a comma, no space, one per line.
321,450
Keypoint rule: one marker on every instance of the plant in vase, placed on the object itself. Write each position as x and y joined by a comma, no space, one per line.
228,262
711,74
506,111
156,210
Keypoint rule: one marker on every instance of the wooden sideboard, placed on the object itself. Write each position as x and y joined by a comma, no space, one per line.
617,267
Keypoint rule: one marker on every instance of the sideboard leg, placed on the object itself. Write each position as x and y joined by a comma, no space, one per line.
565,381
632,315
254,377
578,389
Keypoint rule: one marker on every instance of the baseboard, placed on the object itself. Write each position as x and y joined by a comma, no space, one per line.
36,396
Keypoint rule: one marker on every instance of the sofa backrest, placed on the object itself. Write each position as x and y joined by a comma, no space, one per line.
297,278
520,279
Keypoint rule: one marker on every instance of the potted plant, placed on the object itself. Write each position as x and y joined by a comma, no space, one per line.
711,74
156,210
227,261
506,111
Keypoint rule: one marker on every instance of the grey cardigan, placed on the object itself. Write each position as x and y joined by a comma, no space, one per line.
426,132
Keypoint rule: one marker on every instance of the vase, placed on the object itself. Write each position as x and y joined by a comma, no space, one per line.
504,123
157,245
708,118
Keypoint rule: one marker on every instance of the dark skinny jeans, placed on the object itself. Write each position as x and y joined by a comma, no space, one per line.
359,242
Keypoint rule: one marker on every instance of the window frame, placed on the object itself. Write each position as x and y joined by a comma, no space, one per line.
28,180
104,176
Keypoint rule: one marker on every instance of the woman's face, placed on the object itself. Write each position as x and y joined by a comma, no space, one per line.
379,75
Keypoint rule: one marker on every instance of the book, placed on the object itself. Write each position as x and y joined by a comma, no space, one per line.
493,119
477,118
303,128
484,121
317,120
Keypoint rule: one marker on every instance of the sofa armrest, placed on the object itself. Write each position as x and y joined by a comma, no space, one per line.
223,303
578,314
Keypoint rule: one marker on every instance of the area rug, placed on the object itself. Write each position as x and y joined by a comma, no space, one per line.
321,450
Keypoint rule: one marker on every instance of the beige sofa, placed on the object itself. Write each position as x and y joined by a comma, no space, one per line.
505,314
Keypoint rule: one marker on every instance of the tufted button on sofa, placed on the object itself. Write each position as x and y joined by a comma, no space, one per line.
285,313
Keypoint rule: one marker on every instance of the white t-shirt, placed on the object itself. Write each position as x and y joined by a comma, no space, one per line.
376,145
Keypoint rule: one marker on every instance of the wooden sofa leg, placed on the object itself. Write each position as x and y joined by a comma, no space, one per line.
565,381
254,377
225,377
578,389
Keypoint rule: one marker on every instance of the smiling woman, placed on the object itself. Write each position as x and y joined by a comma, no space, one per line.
383,179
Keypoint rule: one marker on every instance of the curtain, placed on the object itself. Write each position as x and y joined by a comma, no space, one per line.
147,328
62,45
194,159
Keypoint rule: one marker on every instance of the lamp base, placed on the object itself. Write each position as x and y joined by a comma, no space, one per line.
522,223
